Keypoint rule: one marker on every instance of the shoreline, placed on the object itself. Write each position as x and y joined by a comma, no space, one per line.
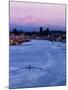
19,43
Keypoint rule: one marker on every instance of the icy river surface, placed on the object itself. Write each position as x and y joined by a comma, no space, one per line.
38,63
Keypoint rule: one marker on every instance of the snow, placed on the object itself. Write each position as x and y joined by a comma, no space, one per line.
47,55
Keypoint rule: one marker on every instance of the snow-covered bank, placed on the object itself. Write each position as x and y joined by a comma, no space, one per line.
38,53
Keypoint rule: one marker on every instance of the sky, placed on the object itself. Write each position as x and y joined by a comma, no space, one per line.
36,14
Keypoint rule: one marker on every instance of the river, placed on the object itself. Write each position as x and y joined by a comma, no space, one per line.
47,58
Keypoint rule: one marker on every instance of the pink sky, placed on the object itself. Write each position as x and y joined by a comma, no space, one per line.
36,13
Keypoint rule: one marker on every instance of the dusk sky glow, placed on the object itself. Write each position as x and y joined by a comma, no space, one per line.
22,13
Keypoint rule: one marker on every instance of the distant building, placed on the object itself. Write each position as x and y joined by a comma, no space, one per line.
18,39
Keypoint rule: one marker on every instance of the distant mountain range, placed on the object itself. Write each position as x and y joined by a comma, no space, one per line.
30,23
